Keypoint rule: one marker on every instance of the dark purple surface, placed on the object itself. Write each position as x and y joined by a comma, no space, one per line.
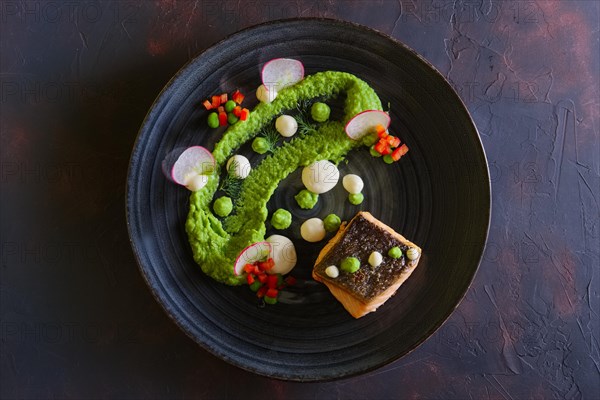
77,320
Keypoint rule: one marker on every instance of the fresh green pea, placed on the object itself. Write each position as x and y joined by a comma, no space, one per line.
213,120
374,152
255,286
350,264
356,198
320,112
332,223
229,106
232,119
395,252
270,300
388,159
260,145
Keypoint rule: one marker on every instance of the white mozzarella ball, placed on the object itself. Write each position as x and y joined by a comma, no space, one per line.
286,125
195,182
353,183
313,230
332,271
283,253
242,166
320,176
265,95
375,259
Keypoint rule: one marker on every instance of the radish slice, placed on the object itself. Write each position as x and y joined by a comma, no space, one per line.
194,161
365,122
282,72
258,251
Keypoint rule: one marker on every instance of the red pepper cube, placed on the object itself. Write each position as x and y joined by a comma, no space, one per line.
224,98
393,141
382,147
399,152
379,128
223,119
272,281
382,135
216,101
220,109
250,279
272,292
262,278
207,104
244,114
237,111
238,97
248,268
261,292
266,265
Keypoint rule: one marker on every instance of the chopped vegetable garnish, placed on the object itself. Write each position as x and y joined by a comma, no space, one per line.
222,119
237,97
207,104
244,114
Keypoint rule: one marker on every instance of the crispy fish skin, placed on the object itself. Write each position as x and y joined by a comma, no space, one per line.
353,302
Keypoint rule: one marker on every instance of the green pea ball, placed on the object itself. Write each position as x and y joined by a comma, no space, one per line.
350,264
270,300
332,223
395,252
281,219
388,159
356,198
260,145
306,199
230,105
213,120
374,152
320,112
232,119
223,206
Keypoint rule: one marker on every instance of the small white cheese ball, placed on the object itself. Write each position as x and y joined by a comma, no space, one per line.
353,183
286,125
320,177
265,95
412,253
195,182
242,166
283,253
375,259
332,271
313,230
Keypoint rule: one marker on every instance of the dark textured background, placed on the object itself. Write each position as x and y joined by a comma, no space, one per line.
77,320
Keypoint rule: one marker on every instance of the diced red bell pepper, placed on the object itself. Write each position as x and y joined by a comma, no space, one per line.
383,135
248,268
223,119
261,292
220,109
238,97
237,111
272,281
250,279
216,101
262,278
379,128
382,147
271,292
393,141
244,114
266,265
399,152
224,98
207,104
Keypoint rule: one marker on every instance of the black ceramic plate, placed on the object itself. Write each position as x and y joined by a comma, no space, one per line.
438,196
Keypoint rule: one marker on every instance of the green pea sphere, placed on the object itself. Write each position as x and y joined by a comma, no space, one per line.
232,119
223,206
306,199
320,112
350,264
213,120
260,145
230,105
356,198
281,219
395,252
332,223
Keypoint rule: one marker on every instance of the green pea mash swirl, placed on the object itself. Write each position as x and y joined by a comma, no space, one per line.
216,245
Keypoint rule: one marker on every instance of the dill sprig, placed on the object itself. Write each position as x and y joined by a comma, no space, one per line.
303,118
271,136
231,185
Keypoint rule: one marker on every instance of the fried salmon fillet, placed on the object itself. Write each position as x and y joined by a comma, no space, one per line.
364,290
